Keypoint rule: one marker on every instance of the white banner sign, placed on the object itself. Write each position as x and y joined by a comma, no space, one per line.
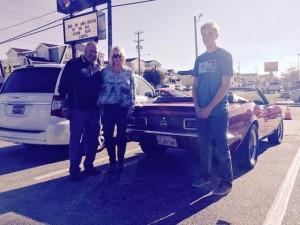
81,28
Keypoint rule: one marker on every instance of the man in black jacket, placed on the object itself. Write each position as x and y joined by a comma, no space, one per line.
79,89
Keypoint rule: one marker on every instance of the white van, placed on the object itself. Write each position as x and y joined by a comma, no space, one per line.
30,109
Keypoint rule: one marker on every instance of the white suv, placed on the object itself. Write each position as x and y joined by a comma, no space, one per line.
272,86
30,109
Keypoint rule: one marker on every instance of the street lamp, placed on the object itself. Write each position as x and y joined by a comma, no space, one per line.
195,26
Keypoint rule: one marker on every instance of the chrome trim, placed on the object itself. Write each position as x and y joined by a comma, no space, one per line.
194,135
26,103
188,119
130,130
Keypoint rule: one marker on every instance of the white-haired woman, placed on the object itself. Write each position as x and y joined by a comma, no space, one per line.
117,97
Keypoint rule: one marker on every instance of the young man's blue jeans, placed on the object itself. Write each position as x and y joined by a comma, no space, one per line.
83,123
214,128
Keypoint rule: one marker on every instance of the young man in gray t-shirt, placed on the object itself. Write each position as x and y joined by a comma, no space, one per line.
212,76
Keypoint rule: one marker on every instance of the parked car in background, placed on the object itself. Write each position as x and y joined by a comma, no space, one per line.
296,96
296,84
180,87
249,86
170,123
271,87
171,86
167,92
30,109
188,87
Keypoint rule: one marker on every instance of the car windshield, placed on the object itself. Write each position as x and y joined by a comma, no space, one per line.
177,93
243,96
28,80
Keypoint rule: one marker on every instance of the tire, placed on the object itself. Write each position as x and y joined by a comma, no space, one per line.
277,135
152,149
101,141
249,150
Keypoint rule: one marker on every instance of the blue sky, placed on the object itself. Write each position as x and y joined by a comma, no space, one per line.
254,31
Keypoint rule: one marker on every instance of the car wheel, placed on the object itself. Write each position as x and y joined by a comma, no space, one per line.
249,149
152,149
276,137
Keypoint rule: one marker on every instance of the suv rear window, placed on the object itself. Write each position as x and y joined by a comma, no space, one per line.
32,80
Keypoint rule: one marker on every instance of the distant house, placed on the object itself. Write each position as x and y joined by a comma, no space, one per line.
44,53
133,63
15,56
185,72
152,64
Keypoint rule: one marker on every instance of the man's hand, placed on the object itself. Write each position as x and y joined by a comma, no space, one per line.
65,108
203,113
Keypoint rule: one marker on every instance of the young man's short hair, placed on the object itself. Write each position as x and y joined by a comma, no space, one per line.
212,25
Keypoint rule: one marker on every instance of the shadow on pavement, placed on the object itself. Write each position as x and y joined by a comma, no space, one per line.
149,191
19,157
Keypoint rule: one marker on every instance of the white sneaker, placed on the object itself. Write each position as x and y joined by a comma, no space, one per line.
201,182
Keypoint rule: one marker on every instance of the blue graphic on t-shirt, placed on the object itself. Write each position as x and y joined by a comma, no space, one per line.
207,66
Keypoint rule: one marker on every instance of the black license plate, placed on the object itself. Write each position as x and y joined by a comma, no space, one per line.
18,109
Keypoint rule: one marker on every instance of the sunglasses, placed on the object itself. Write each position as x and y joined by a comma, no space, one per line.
117,56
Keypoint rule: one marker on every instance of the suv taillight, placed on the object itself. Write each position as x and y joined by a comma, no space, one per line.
56,107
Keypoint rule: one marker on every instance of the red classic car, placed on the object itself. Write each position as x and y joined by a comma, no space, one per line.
170,123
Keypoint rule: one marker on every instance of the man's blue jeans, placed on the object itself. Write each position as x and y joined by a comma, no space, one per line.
84,125
214,129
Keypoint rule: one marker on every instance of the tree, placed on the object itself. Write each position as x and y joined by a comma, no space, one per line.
153,76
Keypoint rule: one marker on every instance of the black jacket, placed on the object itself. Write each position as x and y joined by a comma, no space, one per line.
80,83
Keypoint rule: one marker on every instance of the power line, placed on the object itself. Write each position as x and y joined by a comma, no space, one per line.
27,21
31,32
25,35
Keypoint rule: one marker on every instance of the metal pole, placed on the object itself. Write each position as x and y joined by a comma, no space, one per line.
139,50
195,28
298,68
196,42
109,27
73,45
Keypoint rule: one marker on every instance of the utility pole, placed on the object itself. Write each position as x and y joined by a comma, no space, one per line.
73,45
239,69
298,68
109,27
195,27
139,47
